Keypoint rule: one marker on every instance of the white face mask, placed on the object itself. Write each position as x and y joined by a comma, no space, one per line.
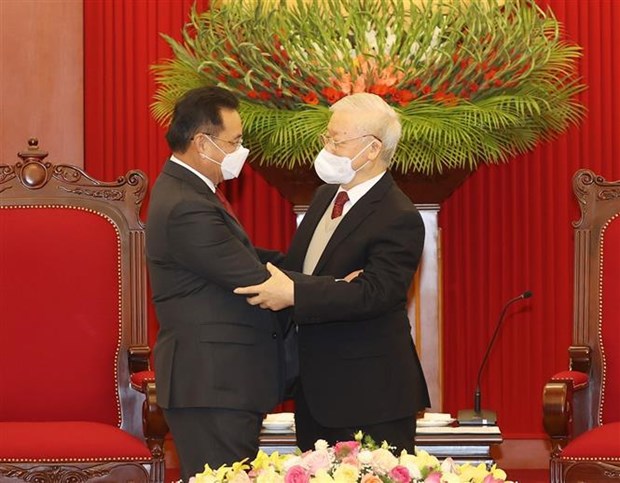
232,163
334,169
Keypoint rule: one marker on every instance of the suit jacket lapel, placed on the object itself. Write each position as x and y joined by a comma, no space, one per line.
361,210
177,171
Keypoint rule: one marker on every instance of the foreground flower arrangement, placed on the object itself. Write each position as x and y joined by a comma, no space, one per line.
359,461
473,80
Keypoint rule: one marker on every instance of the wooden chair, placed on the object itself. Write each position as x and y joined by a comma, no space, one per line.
73,327
581,406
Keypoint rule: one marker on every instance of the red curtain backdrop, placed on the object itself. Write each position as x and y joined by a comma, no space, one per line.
508,229
121,41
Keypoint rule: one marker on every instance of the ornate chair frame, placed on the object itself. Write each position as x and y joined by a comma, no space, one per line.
34,181
573,400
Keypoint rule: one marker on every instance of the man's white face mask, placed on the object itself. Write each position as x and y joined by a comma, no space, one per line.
334,169
232,163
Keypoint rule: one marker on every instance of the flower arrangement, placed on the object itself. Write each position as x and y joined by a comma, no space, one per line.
473,80
358,461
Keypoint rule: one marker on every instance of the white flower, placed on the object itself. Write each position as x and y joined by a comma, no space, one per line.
383,461
448,466
365,457
390,39
290,462
321,444
371,39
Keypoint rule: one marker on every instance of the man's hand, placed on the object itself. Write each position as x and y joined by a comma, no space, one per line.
276,293
352,275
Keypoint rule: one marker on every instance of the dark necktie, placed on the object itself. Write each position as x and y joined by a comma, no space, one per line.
341,199
227,206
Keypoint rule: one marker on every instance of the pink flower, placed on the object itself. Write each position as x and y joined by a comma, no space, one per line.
297,474
316,460
491,479
345,448
433,477
400,474
351,460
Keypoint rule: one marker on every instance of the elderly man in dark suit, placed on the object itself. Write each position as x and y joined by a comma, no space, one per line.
358,365
217,360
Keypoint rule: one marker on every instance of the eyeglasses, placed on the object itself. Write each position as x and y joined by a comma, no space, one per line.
326,139
235,144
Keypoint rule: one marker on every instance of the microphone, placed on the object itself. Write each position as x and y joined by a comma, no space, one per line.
476,416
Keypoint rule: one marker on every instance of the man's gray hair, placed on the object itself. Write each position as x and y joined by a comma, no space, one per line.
376,117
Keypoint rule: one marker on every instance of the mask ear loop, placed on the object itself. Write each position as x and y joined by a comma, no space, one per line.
357,155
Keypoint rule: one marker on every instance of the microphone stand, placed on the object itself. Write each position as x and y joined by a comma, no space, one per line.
477,416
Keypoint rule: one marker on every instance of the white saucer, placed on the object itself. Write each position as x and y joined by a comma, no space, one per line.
429,423
289,430
277,425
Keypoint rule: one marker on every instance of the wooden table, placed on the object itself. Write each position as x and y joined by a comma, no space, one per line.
466,444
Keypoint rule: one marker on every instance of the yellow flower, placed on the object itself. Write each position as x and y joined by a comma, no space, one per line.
346,473
322,476
497,473
207,476
475,474
261,461
269,475
450,478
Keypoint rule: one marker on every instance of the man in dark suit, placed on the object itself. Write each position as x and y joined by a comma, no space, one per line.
358,366
217,360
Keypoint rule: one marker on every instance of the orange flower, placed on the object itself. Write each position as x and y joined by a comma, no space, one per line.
332,95
379,89
310,98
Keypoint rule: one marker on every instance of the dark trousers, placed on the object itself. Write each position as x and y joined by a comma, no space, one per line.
214,436
399,433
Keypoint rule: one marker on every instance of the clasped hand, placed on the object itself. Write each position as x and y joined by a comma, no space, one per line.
278,291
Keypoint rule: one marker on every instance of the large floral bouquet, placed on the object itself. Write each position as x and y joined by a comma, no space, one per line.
473,80
350,462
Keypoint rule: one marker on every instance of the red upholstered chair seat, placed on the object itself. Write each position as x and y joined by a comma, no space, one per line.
579,380
69,441
601,443
139,378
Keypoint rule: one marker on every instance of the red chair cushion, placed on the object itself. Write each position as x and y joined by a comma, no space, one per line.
579,379
139,377
61,320
602,442
68,441
610,320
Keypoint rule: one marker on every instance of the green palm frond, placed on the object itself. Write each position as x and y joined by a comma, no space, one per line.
473,81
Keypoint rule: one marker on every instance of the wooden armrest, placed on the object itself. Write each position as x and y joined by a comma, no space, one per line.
153,422
139,358
580,358
559,397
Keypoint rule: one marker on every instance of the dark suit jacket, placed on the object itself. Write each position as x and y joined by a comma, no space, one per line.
358,365
213,349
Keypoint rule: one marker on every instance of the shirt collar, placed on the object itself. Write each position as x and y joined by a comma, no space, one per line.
356,193
208,182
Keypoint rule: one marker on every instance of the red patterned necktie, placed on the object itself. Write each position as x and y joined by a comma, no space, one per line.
227,206
341,199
